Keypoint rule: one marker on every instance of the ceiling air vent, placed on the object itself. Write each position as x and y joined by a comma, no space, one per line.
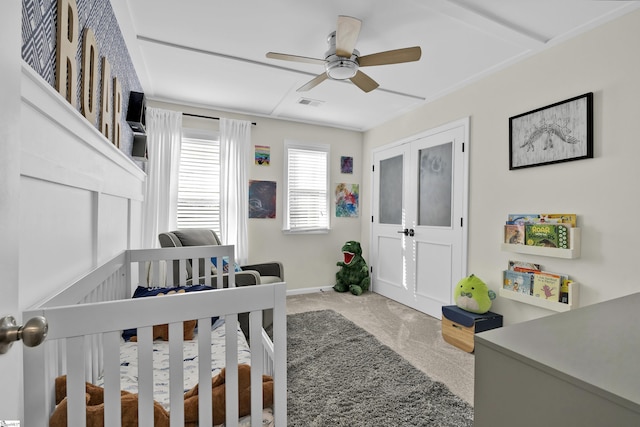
310,102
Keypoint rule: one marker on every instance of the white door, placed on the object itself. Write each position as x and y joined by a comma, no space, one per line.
419,239
10,62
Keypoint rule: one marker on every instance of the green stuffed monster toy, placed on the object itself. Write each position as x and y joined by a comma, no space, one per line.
472,295
354,273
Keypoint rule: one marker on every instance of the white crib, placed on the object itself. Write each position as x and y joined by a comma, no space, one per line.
87,318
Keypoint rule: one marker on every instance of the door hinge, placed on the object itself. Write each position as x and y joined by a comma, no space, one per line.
460,222
463,147
371,269
373,168
371,218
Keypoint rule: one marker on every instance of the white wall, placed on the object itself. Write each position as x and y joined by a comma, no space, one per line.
80,196
309,259
602,191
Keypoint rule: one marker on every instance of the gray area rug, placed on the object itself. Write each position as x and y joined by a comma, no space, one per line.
340,375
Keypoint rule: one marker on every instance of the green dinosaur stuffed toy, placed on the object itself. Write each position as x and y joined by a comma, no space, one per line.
472,295
353,275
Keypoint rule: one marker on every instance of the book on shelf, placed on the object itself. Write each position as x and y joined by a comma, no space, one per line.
522,218
547,285
512,265
514,234
547,235
517,281
570,220
564,290
567,219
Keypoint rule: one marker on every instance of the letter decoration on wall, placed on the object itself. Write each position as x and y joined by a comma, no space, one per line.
67,45
105,111
89,76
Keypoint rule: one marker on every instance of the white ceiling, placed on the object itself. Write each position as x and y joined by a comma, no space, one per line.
212,53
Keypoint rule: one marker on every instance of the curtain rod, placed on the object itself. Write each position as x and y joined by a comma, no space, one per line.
208,117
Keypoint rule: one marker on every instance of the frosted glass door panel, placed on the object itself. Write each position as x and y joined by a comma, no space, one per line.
435,186
390,196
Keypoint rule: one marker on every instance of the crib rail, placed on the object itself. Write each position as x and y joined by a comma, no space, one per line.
85,322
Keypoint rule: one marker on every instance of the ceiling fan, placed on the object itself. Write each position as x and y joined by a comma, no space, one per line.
342,61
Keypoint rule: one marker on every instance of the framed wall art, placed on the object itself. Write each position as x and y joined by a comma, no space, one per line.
559,132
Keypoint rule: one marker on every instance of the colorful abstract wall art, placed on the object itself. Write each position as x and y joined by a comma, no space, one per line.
347,196
262,199
262,155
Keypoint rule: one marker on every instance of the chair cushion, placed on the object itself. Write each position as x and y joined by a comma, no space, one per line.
270,279
195,237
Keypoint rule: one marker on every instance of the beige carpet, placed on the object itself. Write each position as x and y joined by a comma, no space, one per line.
412,334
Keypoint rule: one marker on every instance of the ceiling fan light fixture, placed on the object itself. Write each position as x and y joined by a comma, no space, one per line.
339,68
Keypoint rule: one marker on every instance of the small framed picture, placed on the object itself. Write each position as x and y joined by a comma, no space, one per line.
559,132
346,164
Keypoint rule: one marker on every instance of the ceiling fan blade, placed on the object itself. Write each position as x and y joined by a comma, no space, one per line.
397,56
364,82
295,58
347,33
313,83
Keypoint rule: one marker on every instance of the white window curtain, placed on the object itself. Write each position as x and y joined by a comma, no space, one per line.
164,135
235,144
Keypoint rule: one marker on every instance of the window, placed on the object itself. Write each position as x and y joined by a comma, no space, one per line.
306,187
199,181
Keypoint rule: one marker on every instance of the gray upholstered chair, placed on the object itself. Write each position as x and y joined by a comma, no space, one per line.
255,274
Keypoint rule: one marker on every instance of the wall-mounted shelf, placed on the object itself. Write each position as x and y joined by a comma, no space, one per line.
574,290
573,252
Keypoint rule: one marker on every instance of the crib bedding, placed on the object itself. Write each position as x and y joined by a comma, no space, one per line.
129,367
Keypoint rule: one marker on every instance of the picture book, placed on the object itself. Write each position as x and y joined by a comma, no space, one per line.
564,290
548,235
522,218
514,234
547,286
569,219
518,282
521,264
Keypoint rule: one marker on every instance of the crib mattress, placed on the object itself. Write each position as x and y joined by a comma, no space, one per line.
129,367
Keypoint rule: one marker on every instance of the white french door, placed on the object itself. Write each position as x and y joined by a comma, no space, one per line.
419,238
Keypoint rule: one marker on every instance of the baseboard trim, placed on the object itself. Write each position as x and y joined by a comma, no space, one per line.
309,290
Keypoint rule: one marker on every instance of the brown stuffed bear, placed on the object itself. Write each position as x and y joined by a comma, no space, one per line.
162,331
129,401
95,407
218,402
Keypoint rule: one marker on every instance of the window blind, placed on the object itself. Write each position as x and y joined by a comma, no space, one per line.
199,184
307,189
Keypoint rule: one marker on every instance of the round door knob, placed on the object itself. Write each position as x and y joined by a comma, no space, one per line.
34,331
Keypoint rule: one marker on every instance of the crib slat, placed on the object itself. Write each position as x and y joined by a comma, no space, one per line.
231,373
112,406
38,401
280,360
76,403
143,269
257,355
176,375
195,270
204,373
145,376
183,272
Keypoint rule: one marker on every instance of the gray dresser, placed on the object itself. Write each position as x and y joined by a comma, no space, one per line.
578,368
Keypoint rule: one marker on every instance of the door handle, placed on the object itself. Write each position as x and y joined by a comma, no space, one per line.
408,232
31,333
